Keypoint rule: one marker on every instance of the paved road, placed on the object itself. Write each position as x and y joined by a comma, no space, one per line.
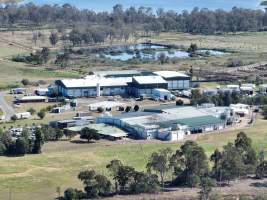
7,109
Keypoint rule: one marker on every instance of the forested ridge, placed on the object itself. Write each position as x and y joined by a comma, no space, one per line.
133,19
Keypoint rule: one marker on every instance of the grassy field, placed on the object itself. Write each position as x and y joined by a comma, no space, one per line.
37,176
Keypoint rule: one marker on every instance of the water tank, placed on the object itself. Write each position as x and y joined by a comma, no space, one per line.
98,91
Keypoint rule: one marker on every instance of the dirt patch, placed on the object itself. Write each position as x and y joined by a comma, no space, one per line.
245,187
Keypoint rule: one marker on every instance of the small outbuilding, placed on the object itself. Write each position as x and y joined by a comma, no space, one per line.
106,105
18,91
240,109
247,90
42,91
161,94
25,115
32,99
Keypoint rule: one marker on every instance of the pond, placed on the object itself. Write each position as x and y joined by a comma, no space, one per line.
151,52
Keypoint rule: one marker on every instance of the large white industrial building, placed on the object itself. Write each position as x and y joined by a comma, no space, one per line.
171,122
121,83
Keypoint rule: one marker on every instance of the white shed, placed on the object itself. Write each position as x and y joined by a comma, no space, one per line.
242,109
161,94
25,115
42,91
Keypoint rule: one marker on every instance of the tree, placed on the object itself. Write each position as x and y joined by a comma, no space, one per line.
242,142
63,58
192,49
206,184
179,102
128,109
53,38
38,142
2,149
136,108
69,134
195,96
248,153
144,183
264,112
261,170
21,147
14,118
95,185
125,177
216,158
190,163
44,55
70,194
41,114
231,165
100,109
261,156
25,82
89,134
32,111
114,167
159,162
59,134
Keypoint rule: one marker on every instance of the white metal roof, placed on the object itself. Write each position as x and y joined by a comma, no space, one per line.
232,86
161,90
106,104
263,86
42,90
33,98
170,74
92,81
246,88
114,73
248,85
149,79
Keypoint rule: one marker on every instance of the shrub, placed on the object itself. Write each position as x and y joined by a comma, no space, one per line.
14,118
32,111
264,112
2,149
128,109
25,82
100,109
179,102
41,114
136,108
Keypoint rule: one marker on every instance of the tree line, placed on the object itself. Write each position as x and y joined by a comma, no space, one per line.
188,166
133,19
28,142
226,98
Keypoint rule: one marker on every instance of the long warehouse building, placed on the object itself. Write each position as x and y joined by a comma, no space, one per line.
121,83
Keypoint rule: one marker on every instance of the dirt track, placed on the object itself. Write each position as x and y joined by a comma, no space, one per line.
249,187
